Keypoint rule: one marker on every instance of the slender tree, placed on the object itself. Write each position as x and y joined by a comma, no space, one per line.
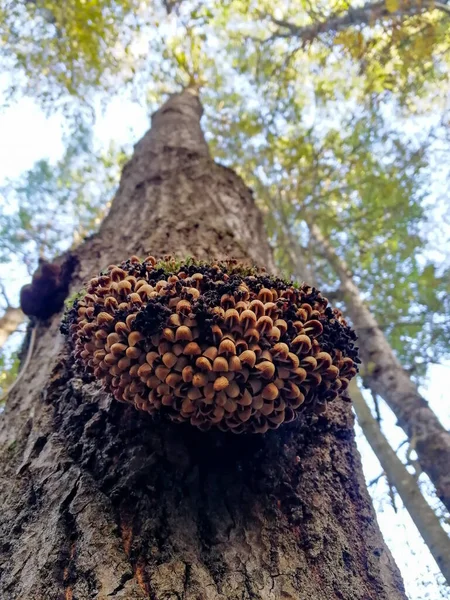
99,500
398,475
9,322
386,377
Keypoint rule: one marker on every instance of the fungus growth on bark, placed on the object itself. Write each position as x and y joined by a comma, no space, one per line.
213,344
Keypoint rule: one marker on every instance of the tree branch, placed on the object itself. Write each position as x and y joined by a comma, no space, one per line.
368,14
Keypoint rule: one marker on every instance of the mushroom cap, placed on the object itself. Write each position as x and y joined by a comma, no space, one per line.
216,345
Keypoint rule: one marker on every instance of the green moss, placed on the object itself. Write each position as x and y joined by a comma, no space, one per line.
173,265
76,296
231,267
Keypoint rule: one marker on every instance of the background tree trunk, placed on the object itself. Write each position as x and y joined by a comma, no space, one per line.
385,376
398,476
9,322
100,501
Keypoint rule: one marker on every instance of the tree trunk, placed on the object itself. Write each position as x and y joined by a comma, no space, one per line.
101,501
9,322
386,377
398,476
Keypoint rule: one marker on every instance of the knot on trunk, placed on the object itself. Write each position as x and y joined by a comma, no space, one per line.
48,289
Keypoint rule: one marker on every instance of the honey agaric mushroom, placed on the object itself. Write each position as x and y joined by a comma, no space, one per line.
217,345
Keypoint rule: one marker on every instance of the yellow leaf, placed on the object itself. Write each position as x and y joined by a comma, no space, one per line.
340,38
392,5
353,41
423,46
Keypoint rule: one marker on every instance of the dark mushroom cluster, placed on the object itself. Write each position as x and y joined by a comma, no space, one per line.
212,344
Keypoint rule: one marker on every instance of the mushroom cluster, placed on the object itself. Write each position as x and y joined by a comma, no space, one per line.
212,344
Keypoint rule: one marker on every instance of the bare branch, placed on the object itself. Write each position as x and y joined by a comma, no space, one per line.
375,480
4,294
377,407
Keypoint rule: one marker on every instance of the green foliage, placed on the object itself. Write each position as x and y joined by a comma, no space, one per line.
52,207
341,49
59,49
70,300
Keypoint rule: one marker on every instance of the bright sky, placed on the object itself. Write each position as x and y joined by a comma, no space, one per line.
26,136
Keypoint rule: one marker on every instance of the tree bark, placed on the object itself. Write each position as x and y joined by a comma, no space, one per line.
398,476
9,322
368,14
101,501
386,377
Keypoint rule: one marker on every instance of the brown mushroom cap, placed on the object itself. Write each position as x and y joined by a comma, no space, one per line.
218,345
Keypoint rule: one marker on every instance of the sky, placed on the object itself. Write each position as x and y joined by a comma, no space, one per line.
27,135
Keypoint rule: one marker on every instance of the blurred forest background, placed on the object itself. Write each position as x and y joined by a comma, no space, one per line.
335,112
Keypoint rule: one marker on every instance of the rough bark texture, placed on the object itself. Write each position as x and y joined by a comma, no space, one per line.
100,501
386,377
424,517
9,322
